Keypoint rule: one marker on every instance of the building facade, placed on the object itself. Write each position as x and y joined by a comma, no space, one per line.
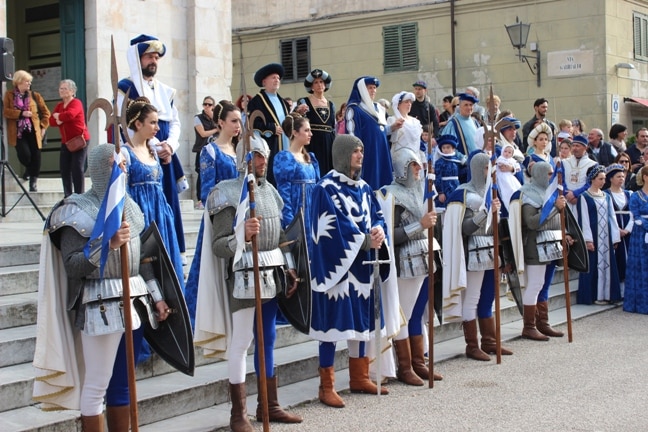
452,44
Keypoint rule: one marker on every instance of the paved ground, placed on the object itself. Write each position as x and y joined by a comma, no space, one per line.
596,383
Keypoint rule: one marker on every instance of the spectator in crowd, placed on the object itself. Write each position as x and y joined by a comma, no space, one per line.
422,109
69,116
204,128
540,107
27,121
636,150
599,150
618,134
630,184
578,127
448,110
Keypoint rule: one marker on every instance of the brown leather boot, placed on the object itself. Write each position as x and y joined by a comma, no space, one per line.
327,394
529,331
275,412
418,359
118,418
472,347
404,356
359,381
488,340
239,421
542,321
92,423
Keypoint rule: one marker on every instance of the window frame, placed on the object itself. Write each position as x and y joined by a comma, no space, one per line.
297,62
400,47
640,36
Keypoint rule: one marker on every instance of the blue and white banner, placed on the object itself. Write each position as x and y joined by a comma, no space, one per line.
551,194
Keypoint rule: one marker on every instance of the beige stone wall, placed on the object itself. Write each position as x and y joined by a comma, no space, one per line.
350,45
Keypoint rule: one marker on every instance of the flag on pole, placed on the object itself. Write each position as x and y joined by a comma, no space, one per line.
242,212
488,196
551,194
110,214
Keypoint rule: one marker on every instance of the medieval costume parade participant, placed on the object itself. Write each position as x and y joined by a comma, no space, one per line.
615,176
576,167
366,120
536,239
274,109
601,233
217,163
406,216
462,125
225,316
466,261
143,56
448,164
70,280
297,170
410,130
635,295
320,112
347,229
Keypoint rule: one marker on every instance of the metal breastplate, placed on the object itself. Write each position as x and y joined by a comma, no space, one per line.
270,211
112,268
408,218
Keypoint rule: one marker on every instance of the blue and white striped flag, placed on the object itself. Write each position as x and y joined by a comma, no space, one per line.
551,194
110,214
242,212
488,196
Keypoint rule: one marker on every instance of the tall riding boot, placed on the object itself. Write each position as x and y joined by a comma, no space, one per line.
488,340
92,423
529,331
239,421
33,184
359,381
118,418
405,373
327,394
418,359
275,412
542,321
472,346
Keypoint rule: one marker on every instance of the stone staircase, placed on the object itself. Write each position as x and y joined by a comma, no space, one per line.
168,400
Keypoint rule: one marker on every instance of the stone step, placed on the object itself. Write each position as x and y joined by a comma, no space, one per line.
19,279
18,309
17,345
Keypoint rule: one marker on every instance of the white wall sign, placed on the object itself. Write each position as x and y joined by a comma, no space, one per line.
570,63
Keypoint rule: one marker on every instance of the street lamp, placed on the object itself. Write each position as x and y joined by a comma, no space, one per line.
519,33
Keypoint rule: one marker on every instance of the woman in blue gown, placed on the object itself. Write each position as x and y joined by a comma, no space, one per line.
636,284
615,175
217,163
296,171
145,187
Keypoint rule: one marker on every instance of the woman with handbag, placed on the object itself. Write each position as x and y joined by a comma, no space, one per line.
69,116
27,121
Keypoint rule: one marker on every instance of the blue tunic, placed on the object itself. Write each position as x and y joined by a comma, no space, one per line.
215,166
377,165
295,183
636,284
446,172
343,211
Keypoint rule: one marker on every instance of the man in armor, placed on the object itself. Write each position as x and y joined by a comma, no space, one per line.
536,243
466,261
236,310
408,220
347,228
70,279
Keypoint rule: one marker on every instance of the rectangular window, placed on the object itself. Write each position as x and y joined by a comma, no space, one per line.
295,58
401,47
640,33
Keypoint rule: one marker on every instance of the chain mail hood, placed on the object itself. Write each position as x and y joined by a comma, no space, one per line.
343,147
402,160
534,190
478,164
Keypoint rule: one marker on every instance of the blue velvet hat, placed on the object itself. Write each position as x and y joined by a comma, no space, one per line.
447,139
147,44
269,69
580,139
467,97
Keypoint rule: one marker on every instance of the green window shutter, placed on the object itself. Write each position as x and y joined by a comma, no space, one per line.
640,34
400,47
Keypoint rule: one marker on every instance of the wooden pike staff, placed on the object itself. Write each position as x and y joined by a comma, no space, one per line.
114,120
430,207
263,391
489,136
563,229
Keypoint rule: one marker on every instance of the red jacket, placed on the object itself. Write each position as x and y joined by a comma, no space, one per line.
72,117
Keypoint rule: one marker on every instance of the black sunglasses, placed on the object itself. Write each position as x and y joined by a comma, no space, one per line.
207,104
